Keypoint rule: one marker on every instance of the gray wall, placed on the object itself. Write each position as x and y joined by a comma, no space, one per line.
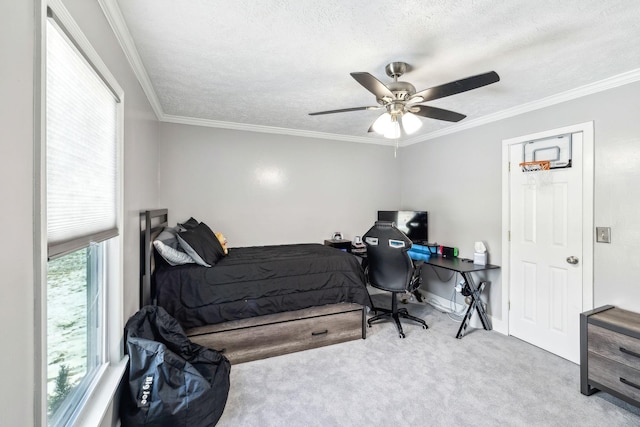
260,189
458,179
17,20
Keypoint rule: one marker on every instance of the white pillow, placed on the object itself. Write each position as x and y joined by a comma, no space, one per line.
167,246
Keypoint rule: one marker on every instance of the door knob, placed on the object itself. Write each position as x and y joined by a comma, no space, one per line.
572,260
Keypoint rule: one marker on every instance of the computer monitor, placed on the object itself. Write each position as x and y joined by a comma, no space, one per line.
412,223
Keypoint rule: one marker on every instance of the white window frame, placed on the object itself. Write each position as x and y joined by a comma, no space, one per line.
100,396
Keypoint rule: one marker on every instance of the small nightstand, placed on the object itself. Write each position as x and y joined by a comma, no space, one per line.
610,353
342,244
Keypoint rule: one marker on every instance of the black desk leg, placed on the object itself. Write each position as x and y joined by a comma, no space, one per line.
465,321
476,305
486,323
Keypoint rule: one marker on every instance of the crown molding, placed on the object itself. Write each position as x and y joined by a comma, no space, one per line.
579,92
114,16
168,118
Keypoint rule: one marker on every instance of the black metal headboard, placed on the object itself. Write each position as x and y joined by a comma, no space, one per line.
151,224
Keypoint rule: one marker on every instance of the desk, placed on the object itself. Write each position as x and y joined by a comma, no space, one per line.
465,268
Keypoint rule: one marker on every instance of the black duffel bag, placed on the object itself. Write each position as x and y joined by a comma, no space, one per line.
172,381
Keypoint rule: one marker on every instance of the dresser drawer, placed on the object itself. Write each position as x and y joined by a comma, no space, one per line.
615,346
272,339
616,376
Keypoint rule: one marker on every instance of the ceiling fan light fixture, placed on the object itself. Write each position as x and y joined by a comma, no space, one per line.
411,123
393,129
382,123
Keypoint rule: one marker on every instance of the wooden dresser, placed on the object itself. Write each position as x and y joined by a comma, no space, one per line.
610,353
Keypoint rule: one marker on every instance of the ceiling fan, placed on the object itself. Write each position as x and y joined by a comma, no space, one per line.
401,102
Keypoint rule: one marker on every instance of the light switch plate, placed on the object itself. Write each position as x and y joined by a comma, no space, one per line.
603,234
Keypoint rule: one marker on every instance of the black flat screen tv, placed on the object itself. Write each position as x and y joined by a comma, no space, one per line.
412,223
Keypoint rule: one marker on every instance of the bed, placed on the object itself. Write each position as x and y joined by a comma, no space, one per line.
261,301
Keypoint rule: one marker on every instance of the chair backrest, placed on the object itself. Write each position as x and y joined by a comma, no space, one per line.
389,266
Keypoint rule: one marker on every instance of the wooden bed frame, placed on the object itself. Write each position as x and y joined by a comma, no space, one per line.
258,337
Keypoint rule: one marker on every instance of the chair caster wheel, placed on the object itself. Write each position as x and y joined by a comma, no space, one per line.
401,335
425,327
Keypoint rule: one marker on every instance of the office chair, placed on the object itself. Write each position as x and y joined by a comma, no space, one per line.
391,269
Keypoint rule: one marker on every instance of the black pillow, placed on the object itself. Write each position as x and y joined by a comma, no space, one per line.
201,244
189,224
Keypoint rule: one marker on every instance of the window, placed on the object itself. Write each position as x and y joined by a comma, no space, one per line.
75,351
81,211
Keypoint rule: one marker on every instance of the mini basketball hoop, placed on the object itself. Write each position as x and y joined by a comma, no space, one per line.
538,172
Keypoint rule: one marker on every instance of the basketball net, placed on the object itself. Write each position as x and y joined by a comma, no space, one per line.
538,172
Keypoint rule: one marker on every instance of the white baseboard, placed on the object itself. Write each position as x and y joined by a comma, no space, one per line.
442,303
499,325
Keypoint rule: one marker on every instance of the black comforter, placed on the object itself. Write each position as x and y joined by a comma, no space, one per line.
260,280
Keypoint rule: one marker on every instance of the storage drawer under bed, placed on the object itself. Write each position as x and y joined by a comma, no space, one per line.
282,333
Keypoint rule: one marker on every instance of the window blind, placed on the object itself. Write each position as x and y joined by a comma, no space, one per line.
82,149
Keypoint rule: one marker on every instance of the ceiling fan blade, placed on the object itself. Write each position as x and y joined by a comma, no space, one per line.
458,86
373,85
344,110
437,113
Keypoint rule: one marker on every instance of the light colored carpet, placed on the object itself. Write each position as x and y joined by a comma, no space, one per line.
430,378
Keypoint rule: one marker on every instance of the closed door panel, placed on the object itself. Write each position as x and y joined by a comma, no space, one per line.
546,227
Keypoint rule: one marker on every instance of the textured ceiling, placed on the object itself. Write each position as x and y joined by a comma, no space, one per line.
269,64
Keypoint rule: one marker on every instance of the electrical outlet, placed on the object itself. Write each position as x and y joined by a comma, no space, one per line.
603,234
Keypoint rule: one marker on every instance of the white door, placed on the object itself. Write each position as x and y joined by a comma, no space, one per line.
546,269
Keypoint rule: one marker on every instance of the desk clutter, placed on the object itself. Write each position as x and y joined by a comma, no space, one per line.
423,252
480,253
417,252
